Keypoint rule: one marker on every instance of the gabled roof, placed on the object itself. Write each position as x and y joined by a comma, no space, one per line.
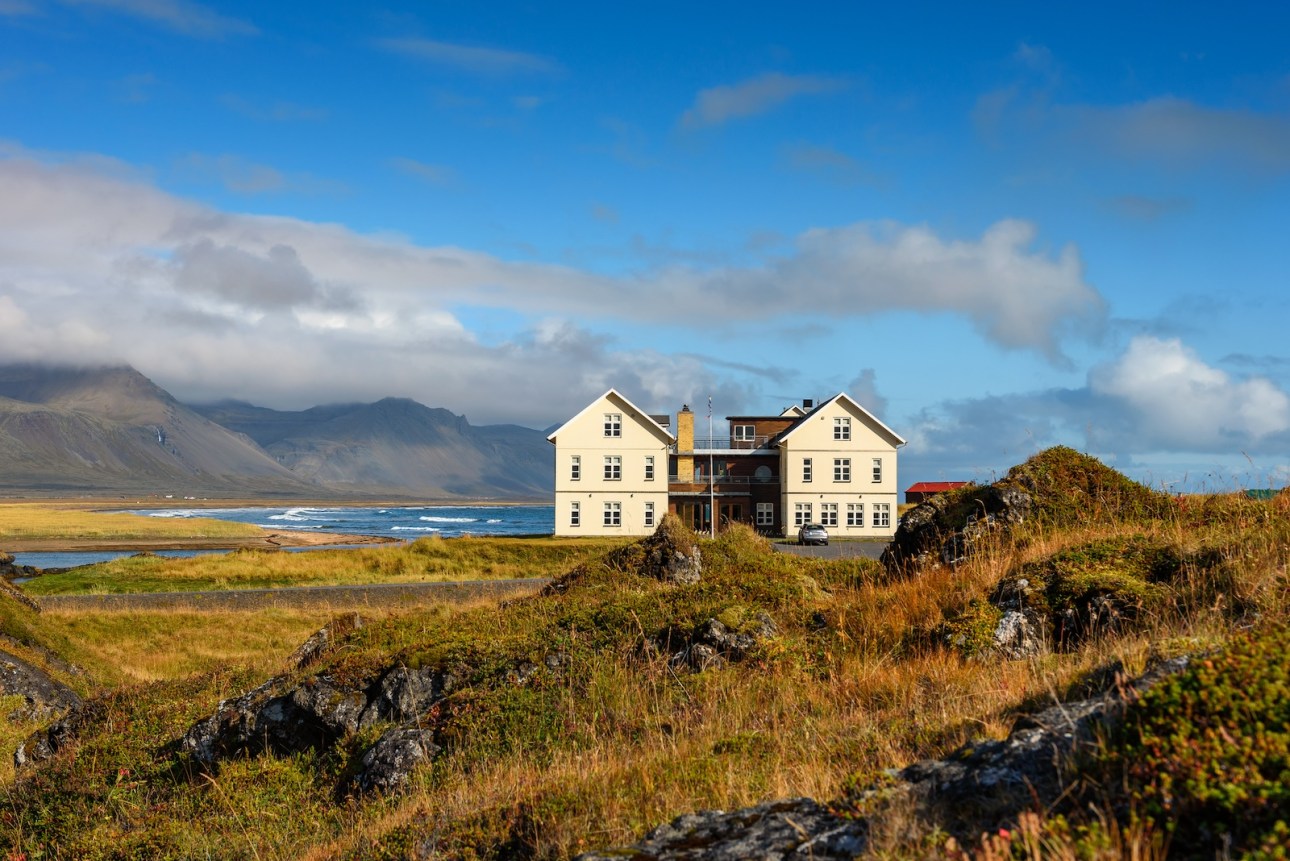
627,406
843,397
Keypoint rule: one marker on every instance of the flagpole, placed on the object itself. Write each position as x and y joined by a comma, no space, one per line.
712,478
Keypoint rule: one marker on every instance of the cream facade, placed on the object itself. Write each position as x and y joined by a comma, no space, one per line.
611,467
838,468
618,470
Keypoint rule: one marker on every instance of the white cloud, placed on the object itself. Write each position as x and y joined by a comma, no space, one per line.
182,16
476,60
1157,396
718,105
103,266
1180,403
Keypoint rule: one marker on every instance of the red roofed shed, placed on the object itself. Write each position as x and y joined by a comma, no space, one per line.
925,490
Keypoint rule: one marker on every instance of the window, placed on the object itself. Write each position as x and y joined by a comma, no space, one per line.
613,514
801,513
806,469
649,514
613,424
877,469
743,433
765,514
575,468
649,467
575,514
828,513
842,469
613,467
842,428
882,514
855,514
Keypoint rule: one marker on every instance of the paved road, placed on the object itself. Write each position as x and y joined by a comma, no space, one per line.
836,549
374,595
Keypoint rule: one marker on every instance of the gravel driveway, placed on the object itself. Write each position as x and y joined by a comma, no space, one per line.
374,595
836,549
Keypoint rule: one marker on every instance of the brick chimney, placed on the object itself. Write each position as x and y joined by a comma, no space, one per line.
685,445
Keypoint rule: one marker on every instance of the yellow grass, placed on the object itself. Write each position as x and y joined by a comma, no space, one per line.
425,560
34,521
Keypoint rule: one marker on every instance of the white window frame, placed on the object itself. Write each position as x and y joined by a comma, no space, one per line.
575,468
808,470
877,470
649,515
765,514
802,513
842,469
743,433
613,424
882,515
829,514
613,514
613,467
649,467
841,428
855,514
575,515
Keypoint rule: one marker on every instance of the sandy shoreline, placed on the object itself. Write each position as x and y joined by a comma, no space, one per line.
268,541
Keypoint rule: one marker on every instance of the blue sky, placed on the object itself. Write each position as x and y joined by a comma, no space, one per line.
999,228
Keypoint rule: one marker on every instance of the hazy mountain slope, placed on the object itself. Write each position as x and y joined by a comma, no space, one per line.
112,429
397,446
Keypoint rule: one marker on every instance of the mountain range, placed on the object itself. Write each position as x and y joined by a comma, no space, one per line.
69,430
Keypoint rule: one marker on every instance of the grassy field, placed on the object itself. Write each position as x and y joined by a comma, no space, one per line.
27,521
424,560
865,671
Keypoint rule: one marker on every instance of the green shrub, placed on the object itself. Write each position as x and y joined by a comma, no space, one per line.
1207,751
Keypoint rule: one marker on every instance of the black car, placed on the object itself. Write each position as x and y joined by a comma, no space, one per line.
813,533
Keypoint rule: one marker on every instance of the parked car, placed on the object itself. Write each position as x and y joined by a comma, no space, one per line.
813,533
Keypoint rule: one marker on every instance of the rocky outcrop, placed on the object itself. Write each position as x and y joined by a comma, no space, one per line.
713,643
947,527
43,696
797,828
285,714
981,786
10,571
322,640
44,743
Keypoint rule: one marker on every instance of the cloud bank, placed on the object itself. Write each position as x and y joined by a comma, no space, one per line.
98,264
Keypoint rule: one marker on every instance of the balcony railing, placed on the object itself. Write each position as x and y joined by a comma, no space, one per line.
725,479
726,443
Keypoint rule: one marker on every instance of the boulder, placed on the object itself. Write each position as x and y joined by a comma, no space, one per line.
389,763
43,696
713,643
672,553
981,786
44,743
947,527
797,828
324,639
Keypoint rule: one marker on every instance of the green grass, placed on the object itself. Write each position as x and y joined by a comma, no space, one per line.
425,560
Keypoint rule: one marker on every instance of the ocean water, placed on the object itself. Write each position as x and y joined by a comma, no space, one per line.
404,522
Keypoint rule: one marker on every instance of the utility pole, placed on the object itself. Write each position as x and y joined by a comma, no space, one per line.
712,478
